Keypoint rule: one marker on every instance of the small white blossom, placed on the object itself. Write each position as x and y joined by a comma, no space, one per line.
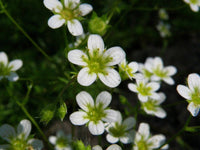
97,62
163,14
142,68
160,72
121,130
111,147
152,106
191,93
145,89
94,114
164,29
130,69
21,139
194,4
67,12
61,141
7,69
144,141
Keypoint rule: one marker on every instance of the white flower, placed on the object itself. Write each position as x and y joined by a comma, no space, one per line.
67,12
111,147
121,130
7,69
191,93
94,114
129,69
61,141
194,4
164,29
19,140
145,90
142,68
144,141
163,14
160,72
97,62
152,106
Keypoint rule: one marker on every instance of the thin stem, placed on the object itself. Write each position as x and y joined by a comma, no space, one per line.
178,133
22,30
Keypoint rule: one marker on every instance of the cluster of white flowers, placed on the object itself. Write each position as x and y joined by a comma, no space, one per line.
194,4
7,69
20,140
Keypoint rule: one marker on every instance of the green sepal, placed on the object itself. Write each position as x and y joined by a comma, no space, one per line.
47,113
62,110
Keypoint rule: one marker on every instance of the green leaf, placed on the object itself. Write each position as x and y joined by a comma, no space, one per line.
62,110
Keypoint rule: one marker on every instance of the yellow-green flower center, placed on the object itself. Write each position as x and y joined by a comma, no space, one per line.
196,96
4,70
194,1
150,104
62,142
95,113
144,90
67,14
118,130
20,143
160,72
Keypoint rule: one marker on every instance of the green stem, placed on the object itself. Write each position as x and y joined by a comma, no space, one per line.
22,30
178,133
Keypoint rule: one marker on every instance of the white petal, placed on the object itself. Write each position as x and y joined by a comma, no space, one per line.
132,87
184,91
114,147
95,42
116,53
160,113
161,99
158,62
56,21
12,77
85,9
156,140
24,128
53,5
85,78
75,27
78,118
111,139
155,78
37,144
96,129
15,64
77,57
3,58
128,138
154,86
7,132
97,147
169,80
134,66
195,8
193,81
193,109
104,98
143,130
171,70
142,98
129,122
155,96
71,3
84,100
111,116
111,79
52,139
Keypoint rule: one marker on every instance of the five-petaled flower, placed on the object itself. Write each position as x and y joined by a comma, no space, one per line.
94,114
97,62
21,139
7,69
145,89
111,147
191,93
152,106
121,130
155,66
144,141
67,12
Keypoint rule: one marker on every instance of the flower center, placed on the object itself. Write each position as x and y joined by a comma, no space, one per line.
196,96
150,104
194,1
62,142
147,73
97,63
160,73
96,113
142,145
19,144
144,90
118,130
4,70
67,14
